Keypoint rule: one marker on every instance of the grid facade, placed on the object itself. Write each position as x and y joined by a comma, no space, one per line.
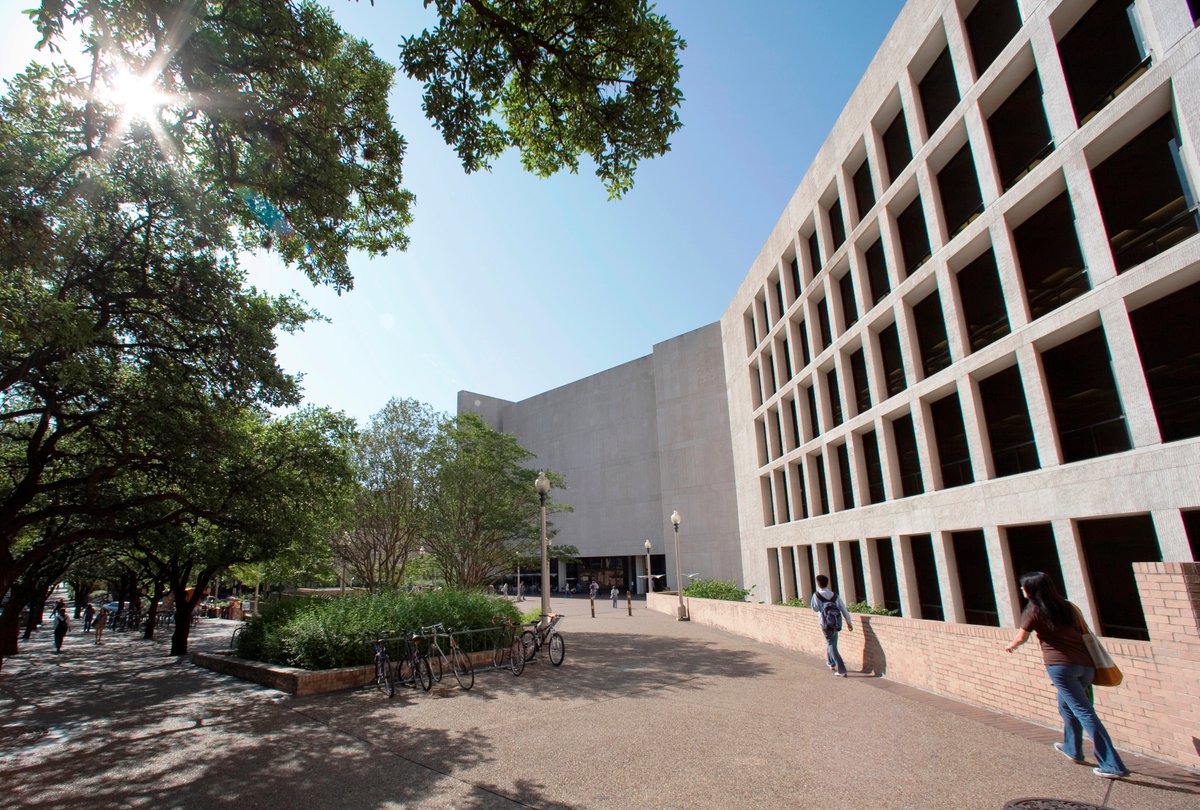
970,347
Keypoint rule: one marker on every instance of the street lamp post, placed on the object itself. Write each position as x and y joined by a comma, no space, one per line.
675,521
649,579
542,485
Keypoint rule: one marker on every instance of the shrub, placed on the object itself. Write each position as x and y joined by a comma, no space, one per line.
853,607
324,633
716,589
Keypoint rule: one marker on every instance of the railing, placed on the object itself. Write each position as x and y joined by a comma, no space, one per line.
984,334
1116,90
1051,297
957,473
1154,239
1037,158
1016,458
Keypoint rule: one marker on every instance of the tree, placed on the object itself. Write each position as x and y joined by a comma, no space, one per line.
389,456
481,505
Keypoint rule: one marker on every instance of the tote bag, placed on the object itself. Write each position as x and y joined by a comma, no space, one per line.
1107,672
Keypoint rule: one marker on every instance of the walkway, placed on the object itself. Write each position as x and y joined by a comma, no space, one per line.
646,712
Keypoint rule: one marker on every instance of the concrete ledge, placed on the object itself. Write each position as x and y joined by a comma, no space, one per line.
293,680
297,681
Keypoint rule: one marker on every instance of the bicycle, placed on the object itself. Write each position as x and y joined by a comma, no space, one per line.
545,635
509,651
413,669
383,668
457,661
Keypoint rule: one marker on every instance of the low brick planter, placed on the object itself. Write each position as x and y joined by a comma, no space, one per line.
301,682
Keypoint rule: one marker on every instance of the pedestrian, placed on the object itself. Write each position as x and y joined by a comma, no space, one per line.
504,589
614,593
101,623
1059,627
594,588
89,616
61,625
830,607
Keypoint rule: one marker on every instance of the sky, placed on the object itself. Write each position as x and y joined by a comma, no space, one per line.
514,285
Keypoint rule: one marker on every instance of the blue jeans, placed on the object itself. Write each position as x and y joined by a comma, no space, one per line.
832,656
1072,682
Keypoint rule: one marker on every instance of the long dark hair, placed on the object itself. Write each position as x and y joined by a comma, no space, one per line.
1048,605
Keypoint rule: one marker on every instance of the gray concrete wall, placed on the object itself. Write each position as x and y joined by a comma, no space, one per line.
633,443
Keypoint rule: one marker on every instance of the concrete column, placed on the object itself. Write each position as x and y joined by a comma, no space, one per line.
1041,411
1172,535
804,573
975,426
1089,225
1074,568
1165,23
947,572
788,570
773,575
872,573
906,575
1132,388
1004,578
1060,114
845,565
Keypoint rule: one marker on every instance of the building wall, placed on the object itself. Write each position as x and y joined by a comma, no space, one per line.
1152,712
634,443
1154,478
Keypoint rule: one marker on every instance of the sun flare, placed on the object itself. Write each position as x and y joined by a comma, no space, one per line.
135,96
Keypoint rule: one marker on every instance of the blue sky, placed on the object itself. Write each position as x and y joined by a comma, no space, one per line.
514,285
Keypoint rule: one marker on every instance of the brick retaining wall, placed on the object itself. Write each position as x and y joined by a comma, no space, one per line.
1155,712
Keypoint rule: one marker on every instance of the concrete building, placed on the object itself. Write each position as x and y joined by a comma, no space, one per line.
635,443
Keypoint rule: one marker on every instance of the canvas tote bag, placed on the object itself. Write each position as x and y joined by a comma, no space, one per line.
1107,672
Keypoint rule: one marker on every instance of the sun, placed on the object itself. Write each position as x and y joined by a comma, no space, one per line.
135,96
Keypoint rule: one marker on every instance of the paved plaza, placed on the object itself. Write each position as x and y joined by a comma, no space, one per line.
645,712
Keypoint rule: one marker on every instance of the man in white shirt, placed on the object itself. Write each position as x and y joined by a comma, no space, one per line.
830,607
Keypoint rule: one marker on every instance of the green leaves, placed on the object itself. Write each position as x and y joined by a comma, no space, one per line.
557,79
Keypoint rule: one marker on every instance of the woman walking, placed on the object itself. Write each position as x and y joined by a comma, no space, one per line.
61,625
101,623
1058,626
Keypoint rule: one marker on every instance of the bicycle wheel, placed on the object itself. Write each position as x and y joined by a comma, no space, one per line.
435,666
516,657
424,674
529,644
558,649
236,634
383,676
464,673
404,672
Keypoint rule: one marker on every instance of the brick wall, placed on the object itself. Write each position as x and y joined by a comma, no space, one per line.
1155,712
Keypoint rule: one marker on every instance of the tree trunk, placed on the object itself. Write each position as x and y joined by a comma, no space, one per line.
36,607
10,629
152,613
184,608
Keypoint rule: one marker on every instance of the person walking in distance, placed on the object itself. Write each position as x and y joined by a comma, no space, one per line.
614,593
1057,623
831,609
101,623
61,625
89,616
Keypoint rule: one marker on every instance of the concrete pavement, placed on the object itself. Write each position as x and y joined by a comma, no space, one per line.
646,711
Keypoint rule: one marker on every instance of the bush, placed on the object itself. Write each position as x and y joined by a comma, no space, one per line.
716,589
853,607
325,633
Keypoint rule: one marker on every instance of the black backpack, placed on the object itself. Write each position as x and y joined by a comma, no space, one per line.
831,616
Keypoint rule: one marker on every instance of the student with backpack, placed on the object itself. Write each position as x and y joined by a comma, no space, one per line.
831,609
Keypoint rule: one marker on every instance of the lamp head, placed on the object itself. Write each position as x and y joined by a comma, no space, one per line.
676,519
647,545
542,484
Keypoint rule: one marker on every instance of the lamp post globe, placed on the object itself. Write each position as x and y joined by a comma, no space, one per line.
675,521
542,485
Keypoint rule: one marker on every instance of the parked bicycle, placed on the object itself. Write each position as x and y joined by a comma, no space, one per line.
457,661
383,668
509,652
545,635
413,669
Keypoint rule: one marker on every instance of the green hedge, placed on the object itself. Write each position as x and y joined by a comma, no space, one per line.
325,633
853,607
716,589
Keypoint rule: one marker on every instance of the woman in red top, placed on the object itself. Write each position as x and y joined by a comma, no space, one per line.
1071,670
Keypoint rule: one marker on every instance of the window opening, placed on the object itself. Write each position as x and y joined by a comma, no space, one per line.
909,461
991,25
1145,198
1191,525
779,304
1087,409
812,568
929,592
975,578
1010,434
1101,56
856,574
835,396
787,359
1049,258
954,454
864,190
982,301
858,375
1110,547
887,573
958,186
800,490
797,286
877,276
1019,132
931,334
823,325
849,308
870,446
914,238
814,253
812,411
1032,548
1168,343
938,91
837,227
844,477
822,487
893,364
802,334
897,151
794,408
